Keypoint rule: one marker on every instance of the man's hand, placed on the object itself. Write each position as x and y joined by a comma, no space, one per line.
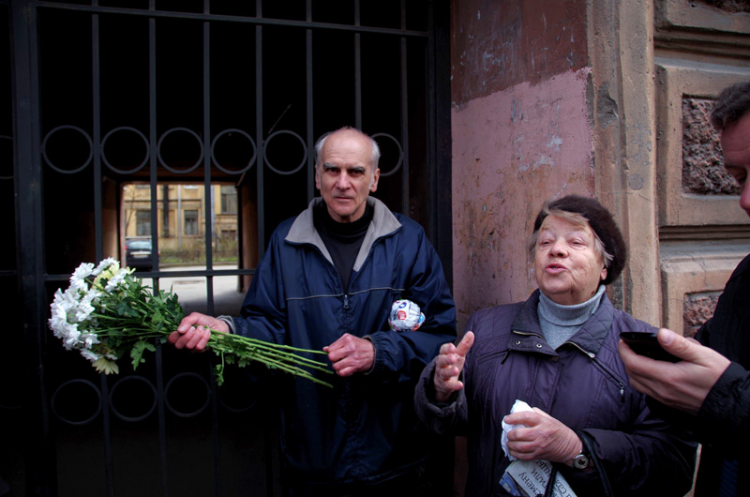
683,385
350,354
193,332
542,437
448,367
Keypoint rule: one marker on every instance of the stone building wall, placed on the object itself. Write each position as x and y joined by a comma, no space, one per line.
605,99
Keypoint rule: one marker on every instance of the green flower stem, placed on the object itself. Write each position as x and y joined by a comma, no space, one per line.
270,355
258,348
298,372
261,343
270,351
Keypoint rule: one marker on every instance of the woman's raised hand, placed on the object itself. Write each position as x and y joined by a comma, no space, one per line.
448,367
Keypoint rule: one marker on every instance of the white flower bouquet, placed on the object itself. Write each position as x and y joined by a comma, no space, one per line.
106,312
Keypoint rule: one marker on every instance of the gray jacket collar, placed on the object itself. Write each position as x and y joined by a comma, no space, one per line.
383,223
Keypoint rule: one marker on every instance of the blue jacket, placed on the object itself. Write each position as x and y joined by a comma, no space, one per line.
583,384
364,429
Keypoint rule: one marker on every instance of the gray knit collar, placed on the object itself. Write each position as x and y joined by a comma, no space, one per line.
569,315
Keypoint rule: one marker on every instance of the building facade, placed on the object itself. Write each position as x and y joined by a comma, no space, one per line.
181,215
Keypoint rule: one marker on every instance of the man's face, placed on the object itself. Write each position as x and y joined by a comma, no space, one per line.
735,142
344,175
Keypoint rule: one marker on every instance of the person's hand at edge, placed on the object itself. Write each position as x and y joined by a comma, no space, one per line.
193,332
448,366
683,385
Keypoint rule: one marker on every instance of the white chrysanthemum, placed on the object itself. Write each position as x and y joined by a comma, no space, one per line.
105,264
70,335
68,300
59,318
89,339
84,309
115,280
92,295
78,278
90,355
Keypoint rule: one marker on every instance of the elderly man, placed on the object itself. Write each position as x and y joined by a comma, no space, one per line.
709,390
328,281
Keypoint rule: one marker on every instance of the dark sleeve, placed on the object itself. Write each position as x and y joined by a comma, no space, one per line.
724,417
652,458
440,418
403,355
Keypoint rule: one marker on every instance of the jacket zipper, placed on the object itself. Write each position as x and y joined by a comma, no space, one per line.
604,369
609,373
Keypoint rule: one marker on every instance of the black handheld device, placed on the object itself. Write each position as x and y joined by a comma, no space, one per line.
645,343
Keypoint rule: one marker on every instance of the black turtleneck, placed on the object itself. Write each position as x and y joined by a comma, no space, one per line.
342,240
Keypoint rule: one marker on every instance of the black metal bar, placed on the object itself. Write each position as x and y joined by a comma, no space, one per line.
207,188
109,465
431,128
39,450
153,179
170,274
260,164
259,139
238,19
215,435
439,119
404,115
165,208
309,100
357,70
96,94
98,234
154,164
161,412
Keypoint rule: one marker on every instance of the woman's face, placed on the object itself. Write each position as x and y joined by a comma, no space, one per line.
567,266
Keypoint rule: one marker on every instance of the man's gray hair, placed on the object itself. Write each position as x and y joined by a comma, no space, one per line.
374,158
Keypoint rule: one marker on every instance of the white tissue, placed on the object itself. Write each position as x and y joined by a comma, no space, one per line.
518,406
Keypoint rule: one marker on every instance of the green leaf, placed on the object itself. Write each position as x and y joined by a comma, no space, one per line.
136,353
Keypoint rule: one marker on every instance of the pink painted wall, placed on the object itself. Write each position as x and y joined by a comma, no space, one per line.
512,150
497,44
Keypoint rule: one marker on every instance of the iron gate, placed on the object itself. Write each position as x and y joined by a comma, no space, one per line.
104,95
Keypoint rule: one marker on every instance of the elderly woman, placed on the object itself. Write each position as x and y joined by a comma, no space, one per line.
557,351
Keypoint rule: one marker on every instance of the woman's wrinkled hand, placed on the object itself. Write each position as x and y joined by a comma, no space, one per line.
448,367
541,437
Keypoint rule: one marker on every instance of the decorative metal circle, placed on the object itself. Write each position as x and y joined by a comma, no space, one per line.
400,154
304,155
10,162
119,413
236,388
85,421
229,171
124,171
193,394
179,171
49,161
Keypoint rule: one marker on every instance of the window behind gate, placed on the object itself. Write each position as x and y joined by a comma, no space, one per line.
178,134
